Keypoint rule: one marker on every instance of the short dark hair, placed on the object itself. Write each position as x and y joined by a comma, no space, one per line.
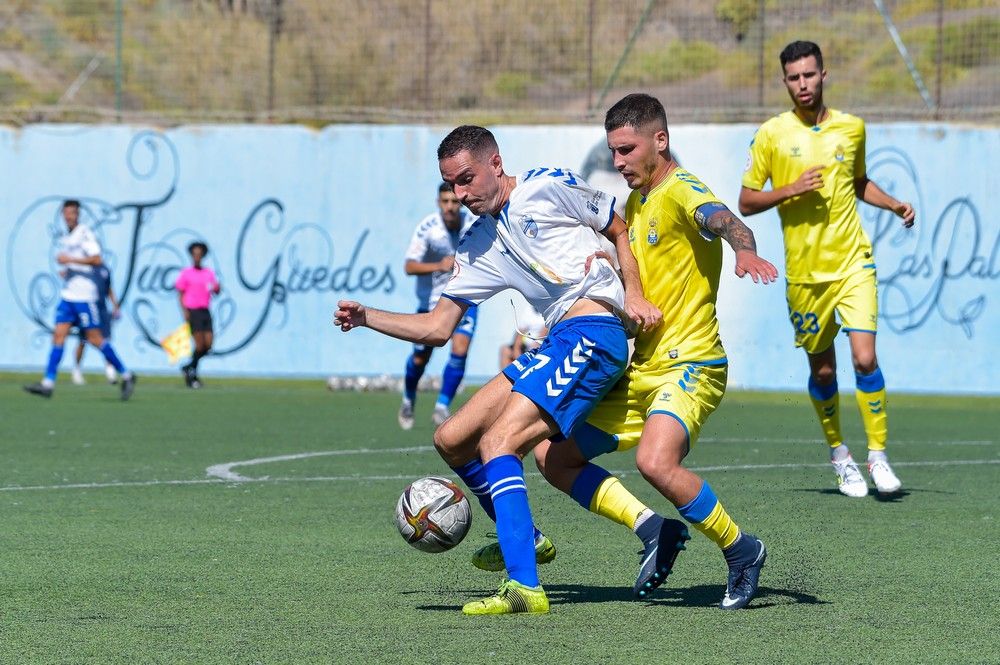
196,244
477,140
445,187
636,110
71,203
798,50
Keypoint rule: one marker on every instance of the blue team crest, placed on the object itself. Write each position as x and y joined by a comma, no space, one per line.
529,227
839,155
652,237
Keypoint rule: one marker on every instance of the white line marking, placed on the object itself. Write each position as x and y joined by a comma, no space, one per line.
409,476
225,471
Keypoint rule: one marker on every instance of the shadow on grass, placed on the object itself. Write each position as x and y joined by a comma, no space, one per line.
703,595
884,498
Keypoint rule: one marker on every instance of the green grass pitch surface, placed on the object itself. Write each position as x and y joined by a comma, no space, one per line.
118,548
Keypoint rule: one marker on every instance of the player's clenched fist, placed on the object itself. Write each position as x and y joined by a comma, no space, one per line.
349,315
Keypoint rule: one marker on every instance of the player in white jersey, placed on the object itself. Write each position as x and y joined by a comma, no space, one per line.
529,331
534,234
430,257
79,253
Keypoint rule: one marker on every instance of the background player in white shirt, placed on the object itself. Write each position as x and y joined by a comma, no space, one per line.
430,257
102,277
534,234
529,331
79,252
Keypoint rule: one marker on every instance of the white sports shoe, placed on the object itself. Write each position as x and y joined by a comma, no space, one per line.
405,415
111,374
850,482
77,376
440,414
885,480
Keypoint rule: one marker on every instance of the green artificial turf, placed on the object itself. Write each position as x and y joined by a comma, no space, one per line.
118,548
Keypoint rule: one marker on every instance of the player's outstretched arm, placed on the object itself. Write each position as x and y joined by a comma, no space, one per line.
432,328
116,306
94,260
725,224
872,194
413,267
753,201
644,313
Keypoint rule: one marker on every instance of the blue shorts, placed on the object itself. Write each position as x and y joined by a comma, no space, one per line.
467,327
83,315
105,326
579,361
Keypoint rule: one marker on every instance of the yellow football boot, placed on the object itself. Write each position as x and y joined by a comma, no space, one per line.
512,598
489,557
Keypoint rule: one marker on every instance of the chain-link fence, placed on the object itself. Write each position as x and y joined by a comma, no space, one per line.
324,61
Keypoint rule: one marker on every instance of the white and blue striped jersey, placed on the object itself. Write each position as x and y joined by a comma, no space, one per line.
79,285
538,245
431,242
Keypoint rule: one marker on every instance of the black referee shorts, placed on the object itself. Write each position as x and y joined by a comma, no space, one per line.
200,320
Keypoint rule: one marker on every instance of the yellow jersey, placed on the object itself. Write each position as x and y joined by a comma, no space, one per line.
823,237
679,264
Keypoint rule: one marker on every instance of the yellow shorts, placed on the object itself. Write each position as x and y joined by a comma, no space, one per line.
811,309
689,392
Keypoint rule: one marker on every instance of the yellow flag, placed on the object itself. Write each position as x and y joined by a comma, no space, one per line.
177,344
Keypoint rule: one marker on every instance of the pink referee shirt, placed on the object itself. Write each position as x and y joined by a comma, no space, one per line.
196,286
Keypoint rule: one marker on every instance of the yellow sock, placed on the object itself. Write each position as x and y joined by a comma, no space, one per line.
613,501
826,402
872,406
719,527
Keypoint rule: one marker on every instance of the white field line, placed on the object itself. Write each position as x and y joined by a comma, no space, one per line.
403,477
225,471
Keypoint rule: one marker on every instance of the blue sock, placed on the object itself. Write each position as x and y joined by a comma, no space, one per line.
112,357
587,483
454,371
822,393
870,383
514,526
473,474
413,374
55,357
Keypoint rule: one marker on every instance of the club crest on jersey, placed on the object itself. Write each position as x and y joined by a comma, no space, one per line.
673,354
839,155
528,226
652,237
796,151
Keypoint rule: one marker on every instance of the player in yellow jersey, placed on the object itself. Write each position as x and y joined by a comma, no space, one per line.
815,159
677,375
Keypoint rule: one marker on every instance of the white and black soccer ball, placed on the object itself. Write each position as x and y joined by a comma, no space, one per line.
433,515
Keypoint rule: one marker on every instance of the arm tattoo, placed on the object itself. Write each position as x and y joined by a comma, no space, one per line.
724,223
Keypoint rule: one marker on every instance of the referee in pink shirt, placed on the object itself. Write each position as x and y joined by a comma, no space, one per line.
195,285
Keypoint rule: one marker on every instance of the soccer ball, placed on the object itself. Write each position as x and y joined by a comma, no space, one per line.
433,515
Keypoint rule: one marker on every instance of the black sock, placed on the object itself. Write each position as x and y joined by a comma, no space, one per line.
198,355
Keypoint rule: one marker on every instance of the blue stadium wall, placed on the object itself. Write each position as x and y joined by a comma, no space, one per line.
297,219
